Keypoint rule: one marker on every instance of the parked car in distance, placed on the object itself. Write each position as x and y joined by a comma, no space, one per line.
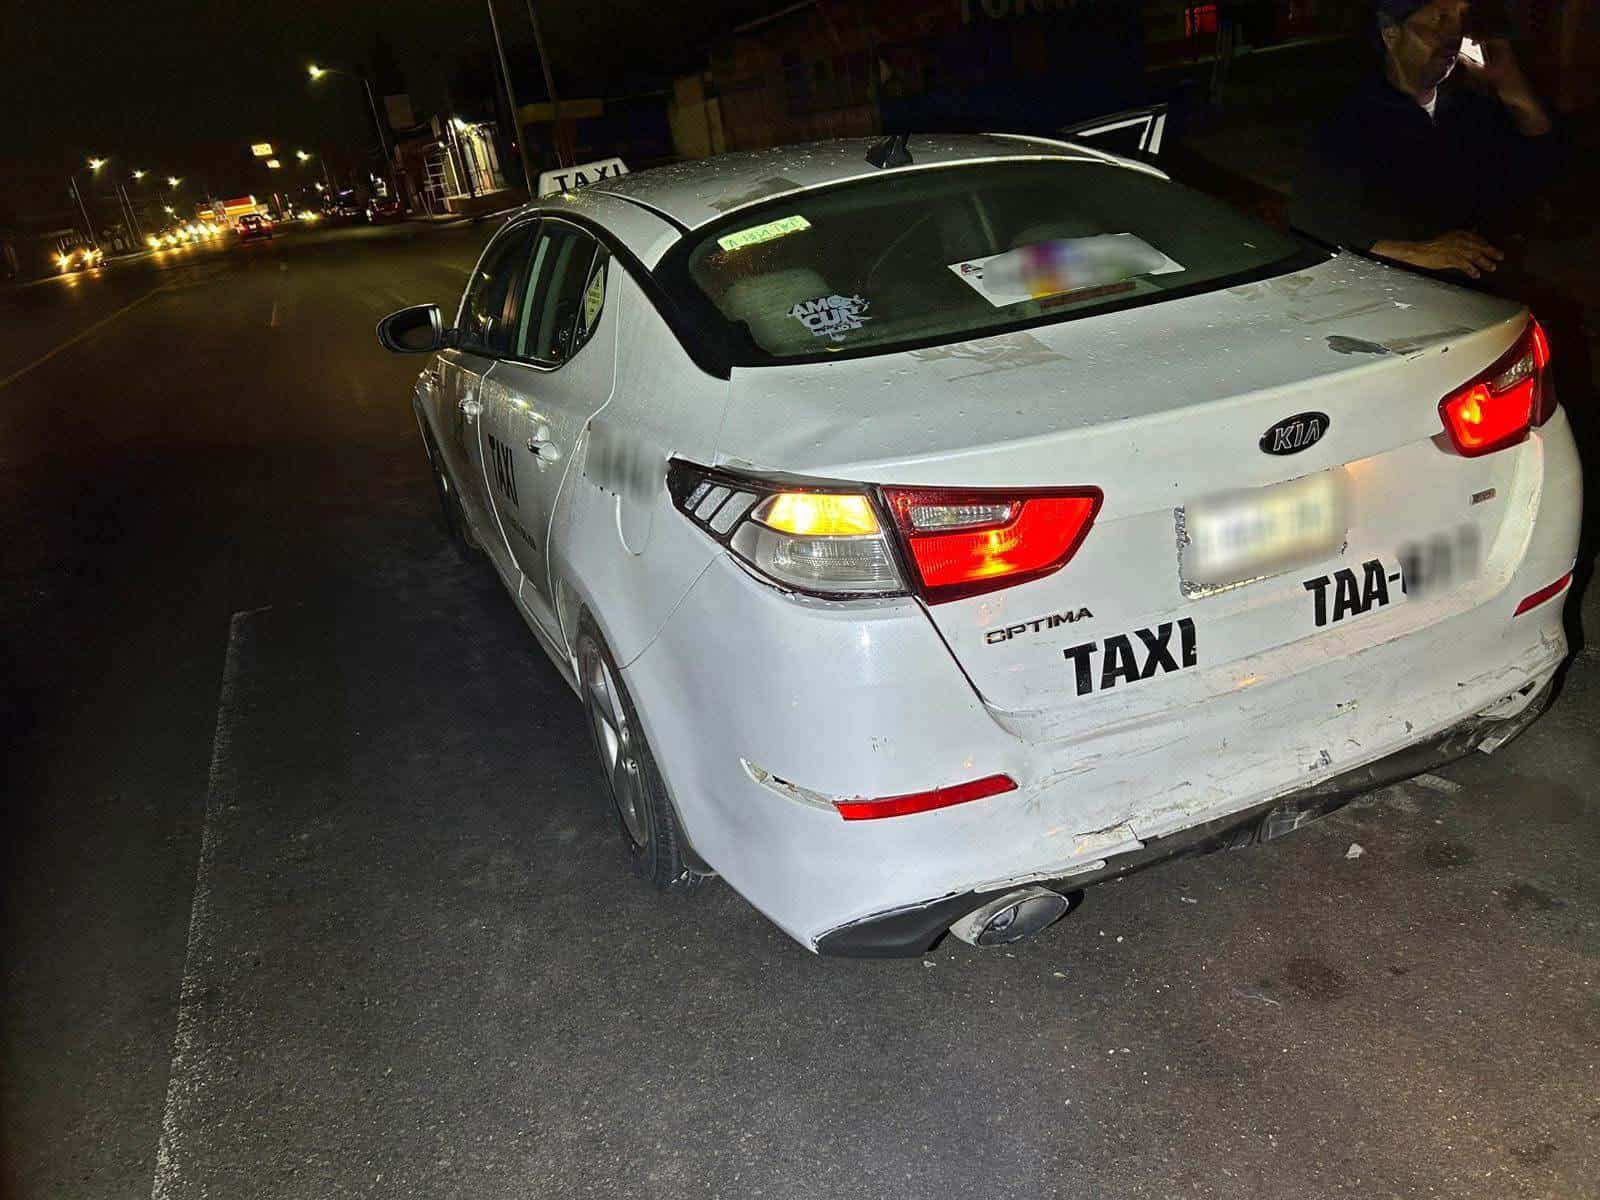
384,208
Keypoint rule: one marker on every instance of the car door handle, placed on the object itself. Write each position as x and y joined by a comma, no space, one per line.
542,445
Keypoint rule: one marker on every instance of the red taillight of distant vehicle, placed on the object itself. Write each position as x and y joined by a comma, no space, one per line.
1498,407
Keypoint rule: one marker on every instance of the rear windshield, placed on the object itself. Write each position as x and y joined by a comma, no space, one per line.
914,257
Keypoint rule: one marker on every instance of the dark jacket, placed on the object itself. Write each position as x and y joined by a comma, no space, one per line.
1383,169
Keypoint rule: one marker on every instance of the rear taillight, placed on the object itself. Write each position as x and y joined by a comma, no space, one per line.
841,540
1544,404
965,542
820,539
1498,407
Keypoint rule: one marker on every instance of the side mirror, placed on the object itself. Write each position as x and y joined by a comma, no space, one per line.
414,330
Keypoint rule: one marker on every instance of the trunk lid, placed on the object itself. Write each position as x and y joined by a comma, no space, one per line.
1162,407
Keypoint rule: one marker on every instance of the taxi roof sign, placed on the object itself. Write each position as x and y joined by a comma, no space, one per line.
261,149
568,179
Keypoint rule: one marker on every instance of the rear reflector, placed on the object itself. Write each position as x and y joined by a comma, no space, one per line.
964,542
899,806
1548,591
1498,407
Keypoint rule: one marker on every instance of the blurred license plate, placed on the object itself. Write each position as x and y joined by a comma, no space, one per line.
1240,536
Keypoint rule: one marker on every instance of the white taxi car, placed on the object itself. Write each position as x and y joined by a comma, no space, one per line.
930,540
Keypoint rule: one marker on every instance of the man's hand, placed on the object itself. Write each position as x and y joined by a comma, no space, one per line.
1459,250
1502,74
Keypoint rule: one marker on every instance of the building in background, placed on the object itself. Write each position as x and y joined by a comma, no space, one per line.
634,128
450,165
821,69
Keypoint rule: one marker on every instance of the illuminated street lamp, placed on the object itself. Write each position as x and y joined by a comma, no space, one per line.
302,156
173,181
138,175
317,73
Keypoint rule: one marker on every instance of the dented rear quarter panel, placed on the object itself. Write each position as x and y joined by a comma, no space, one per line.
621,550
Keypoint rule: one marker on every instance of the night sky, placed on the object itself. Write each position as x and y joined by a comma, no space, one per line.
182,87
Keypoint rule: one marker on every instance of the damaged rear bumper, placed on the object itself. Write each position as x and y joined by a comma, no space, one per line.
910,931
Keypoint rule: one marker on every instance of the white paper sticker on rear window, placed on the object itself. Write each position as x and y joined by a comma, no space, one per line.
1065,267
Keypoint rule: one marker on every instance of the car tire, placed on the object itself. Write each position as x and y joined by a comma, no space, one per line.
638,801
451,513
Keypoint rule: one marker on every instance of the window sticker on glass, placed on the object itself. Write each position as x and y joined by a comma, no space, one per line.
757,234
1064,267
593,298
832,316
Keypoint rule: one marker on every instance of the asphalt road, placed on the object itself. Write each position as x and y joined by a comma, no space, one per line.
307,893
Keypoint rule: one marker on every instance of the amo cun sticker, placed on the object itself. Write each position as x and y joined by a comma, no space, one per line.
832,316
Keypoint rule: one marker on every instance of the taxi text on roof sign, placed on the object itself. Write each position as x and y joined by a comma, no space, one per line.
261,149
569,178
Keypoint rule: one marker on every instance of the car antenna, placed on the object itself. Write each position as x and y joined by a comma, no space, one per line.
890,152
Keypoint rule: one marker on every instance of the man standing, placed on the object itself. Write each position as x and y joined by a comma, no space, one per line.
1428,159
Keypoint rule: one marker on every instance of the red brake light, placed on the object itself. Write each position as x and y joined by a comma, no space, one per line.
964,542
1544,405
915,802
1498,407
1541,346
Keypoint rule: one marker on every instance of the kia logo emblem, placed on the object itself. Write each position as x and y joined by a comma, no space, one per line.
1294,434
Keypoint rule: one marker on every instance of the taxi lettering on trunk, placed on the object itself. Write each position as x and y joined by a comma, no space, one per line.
1131,657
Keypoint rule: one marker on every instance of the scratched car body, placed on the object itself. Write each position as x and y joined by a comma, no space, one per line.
926,542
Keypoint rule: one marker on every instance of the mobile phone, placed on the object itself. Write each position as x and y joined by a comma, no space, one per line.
1471,52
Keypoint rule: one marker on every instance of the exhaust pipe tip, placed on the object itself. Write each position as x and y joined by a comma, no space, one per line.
1011,918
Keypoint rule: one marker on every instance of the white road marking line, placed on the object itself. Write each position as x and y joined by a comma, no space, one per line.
273,323
184,1085
75,339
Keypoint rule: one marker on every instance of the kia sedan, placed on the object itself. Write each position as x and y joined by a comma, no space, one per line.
931,534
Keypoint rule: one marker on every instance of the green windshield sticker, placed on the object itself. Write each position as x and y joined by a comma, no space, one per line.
757,234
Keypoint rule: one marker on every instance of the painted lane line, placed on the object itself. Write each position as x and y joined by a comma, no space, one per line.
185,1079
272,323
75,339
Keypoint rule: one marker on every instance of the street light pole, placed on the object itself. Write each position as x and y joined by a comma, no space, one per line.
383,138
135,230
549,86
372,104
88,225
511,97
